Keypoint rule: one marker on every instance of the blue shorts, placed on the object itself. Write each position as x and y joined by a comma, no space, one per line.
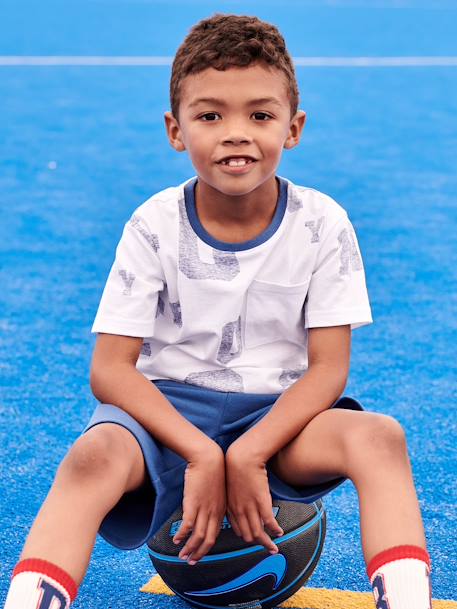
221,416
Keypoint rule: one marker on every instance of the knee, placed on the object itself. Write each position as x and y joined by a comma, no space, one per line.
95,456
377,440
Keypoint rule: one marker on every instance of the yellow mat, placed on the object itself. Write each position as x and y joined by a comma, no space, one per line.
309,598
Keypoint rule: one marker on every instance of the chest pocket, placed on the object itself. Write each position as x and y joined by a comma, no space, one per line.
274,312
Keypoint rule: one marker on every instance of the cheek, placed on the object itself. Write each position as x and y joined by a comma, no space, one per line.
275,141
190,138
275,147
196,148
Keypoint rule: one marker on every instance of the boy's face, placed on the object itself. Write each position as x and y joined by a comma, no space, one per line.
239,113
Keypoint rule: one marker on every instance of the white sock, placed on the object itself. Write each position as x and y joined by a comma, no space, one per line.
400,578
38,584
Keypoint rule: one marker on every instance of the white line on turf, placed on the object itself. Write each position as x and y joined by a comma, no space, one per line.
106,60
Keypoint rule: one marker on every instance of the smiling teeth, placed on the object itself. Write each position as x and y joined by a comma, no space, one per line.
236,162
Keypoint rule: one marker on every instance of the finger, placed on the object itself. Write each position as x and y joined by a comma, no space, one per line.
188,519
212,531
197,537
259,534
270,522
234,524
245,528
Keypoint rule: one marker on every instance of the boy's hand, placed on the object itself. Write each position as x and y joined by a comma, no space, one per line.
249,505
203,504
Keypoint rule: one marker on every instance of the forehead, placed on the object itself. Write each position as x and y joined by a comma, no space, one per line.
235,85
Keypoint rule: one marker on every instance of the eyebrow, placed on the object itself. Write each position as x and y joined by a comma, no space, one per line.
220,102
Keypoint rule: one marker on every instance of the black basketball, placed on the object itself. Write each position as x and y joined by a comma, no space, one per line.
238,574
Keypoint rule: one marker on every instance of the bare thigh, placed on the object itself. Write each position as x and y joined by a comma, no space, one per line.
335,443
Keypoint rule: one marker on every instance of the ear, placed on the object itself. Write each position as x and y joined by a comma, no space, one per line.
174,132
295,129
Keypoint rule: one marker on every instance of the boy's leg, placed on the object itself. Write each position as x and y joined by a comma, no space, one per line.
369,449
101,466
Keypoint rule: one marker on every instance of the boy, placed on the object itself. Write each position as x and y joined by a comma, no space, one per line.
223,349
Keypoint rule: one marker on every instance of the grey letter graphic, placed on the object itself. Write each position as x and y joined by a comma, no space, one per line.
128,279
294,202
176,310
151,238
146,349
315,229
289,376
225,265
220,380
160,307
231,330
349,253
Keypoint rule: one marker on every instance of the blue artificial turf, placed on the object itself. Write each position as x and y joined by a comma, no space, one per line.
82,147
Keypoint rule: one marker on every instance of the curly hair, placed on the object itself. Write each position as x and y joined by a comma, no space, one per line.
223,41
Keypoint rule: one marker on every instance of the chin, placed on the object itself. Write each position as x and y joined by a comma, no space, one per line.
236,185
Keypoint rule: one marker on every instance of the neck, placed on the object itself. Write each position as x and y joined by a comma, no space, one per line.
217,207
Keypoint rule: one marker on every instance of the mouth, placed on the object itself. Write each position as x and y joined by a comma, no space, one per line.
237,161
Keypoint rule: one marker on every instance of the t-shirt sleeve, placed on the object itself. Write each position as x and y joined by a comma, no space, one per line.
129,301
337,293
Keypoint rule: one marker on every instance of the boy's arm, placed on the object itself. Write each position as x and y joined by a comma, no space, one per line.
321,385
249,503
114,379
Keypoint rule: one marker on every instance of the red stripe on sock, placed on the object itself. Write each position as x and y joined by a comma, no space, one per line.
37,565
396,553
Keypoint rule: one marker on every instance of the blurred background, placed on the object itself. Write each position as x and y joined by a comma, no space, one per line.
81,146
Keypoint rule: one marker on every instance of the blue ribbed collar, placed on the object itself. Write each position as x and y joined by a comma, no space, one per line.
189,196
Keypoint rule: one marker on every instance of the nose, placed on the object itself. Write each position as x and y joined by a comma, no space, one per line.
236,133
237,139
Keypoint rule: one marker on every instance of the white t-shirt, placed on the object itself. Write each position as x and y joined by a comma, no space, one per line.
233,316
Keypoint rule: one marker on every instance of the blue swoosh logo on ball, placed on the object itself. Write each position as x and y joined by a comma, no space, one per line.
275,565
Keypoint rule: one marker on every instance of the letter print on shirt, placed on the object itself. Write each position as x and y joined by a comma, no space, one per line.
128,279
294,202
160,306
349,254
289,376
146,349
151,238
176,310
231,333
225,266
315,229
220,380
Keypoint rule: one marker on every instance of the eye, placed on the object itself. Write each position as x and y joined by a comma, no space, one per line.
262,116
209,116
